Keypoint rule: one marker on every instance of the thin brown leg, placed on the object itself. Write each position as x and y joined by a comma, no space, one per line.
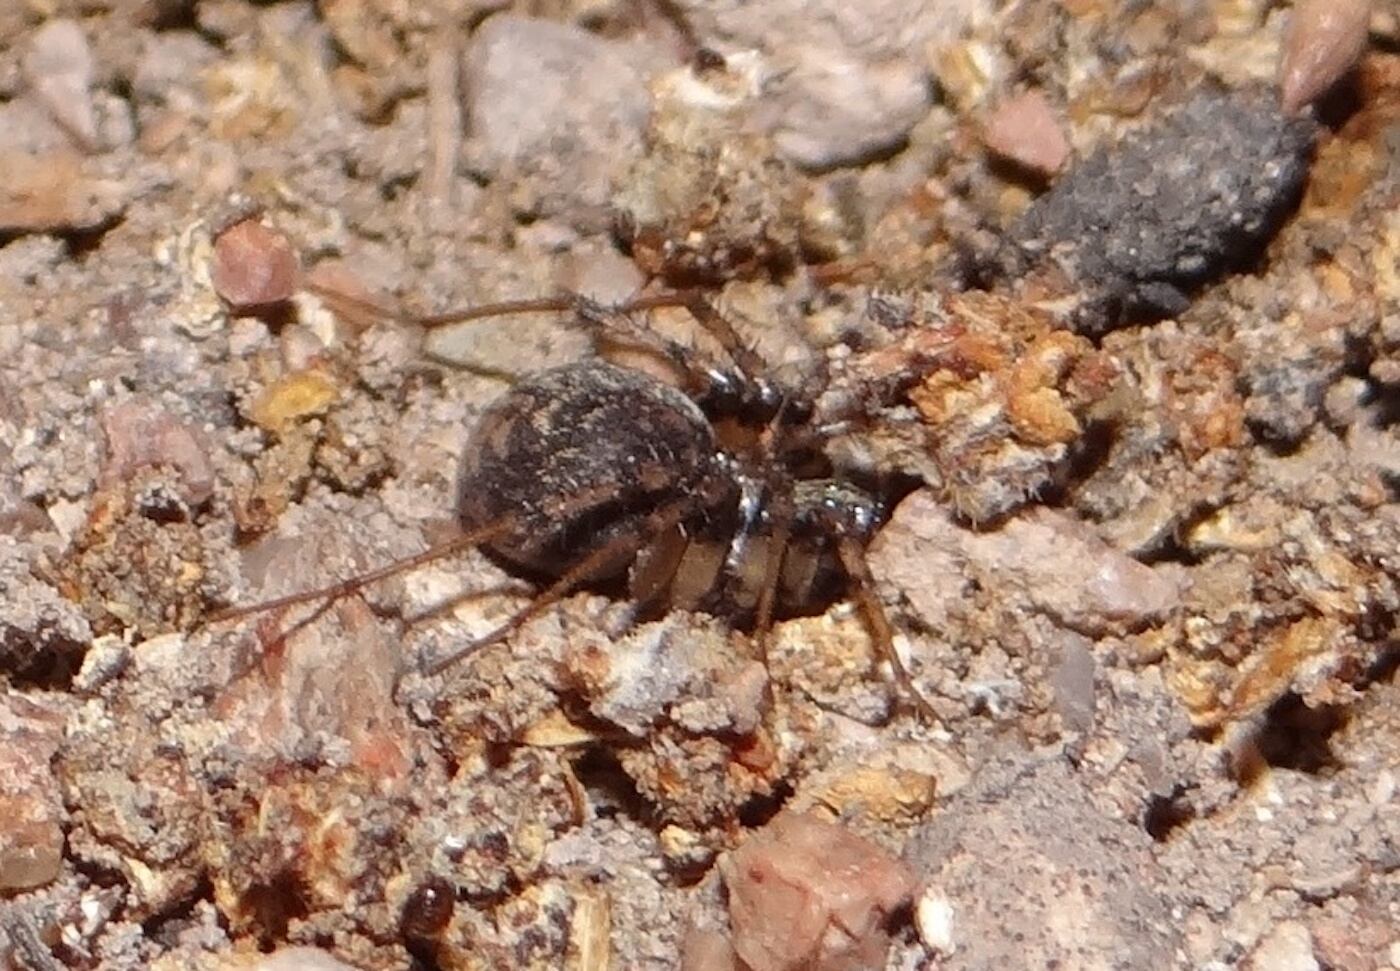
611,322
780,516
772,577
476,537
719,327
653,524
853,561
343,588
603,322
607,321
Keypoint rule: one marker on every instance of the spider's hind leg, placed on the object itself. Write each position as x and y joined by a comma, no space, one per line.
863,586
847,518
332,592
647,527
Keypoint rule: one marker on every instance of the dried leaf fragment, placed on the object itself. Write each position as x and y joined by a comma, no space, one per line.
295,396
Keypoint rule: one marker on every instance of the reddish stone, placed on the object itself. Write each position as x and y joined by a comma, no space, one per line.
254,266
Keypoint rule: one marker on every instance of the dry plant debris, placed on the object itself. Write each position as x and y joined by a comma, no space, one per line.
1103,297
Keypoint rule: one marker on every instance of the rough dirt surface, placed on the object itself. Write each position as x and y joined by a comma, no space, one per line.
1124,330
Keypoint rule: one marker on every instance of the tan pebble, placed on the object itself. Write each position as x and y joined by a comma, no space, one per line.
53,191
59,67
31,843
294,396
1287,947
555,730
31,808
1023,129
254,266
881,793
1325,39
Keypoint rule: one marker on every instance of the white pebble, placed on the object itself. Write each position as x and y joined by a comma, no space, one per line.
934,919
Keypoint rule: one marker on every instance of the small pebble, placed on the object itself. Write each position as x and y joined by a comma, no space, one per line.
293,397
254,266
55,191
1287,947
59,68
933,918
1024,130
1325,39
300,959
140,434
31,805
809,894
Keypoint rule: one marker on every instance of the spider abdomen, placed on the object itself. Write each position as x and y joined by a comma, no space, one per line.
579,455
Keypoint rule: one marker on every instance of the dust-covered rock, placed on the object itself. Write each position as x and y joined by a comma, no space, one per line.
557,111
1137,229
848,81
1023,847
1042,562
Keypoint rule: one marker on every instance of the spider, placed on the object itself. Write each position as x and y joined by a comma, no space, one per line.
710,494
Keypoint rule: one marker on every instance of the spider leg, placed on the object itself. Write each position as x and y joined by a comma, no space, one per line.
853,561
782,516
612,322
602,321
343,588
782,521
363,306
719,327
654,523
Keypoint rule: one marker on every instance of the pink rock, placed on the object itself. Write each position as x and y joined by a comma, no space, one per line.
707,950
254,266
808,894
300,959
1065,569
324,679
1325,40
141,434
1041,562
1023,129
31,807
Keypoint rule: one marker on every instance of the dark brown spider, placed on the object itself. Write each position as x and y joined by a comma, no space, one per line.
712,495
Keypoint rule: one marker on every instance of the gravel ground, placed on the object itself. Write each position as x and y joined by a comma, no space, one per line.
1102,297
